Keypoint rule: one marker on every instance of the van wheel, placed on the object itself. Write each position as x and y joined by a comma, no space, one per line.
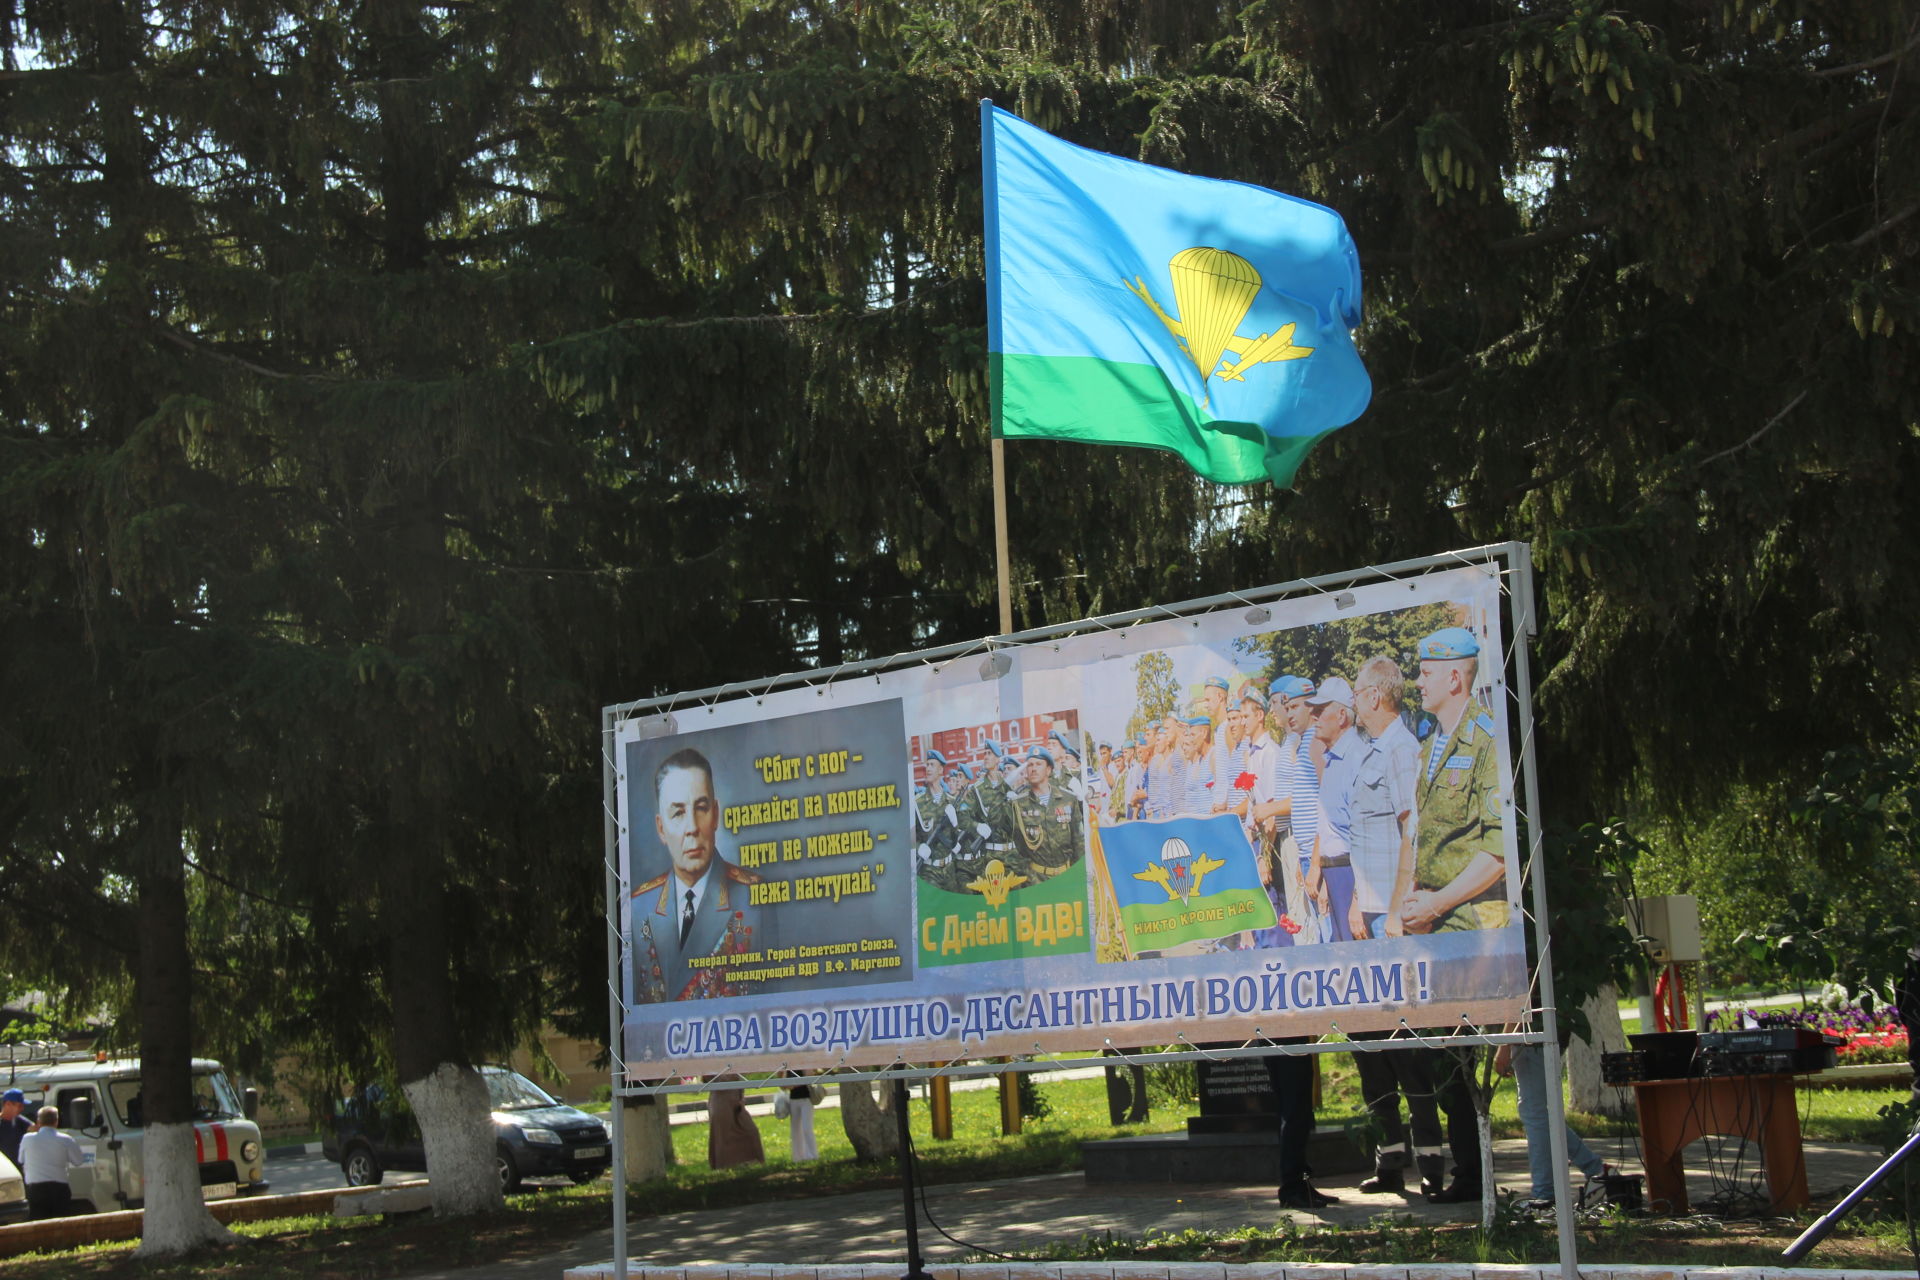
509,1172
361,1169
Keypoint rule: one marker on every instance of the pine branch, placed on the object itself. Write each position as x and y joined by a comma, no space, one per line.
1885,226
514,189
1516,244
240,889
1881,61
1765,427
195,345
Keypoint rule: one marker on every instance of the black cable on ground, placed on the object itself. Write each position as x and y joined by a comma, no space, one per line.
926,1210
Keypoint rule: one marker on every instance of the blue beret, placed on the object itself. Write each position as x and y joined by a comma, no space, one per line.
1293,687
1216,682
1106,746
993,747
1196,720
1448,643
1041,753
1251,693
936,756
962,770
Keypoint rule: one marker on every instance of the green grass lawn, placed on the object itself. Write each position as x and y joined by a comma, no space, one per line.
1078,1112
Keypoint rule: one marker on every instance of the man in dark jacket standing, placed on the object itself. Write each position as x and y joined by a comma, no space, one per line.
14,1125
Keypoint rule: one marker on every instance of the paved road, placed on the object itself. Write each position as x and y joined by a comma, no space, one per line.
288,1173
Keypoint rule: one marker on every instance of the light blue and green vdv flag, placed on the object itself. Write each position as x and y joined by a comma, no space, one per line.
1184,879
1129,304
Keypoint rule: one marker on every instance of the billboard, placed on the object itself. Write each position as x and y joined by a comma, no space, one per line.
1221,826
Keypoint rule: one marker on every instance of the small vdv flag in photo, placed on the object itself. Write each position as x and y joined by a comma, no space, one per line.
1128,304
1184,879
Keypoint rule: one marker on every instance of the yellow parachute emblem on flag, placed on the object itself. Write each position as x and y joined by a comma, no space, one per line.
995,883
1213,290
1183,882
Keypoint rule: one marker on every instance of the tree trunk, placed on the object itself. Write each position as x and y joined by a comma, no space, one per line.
869,1122
648,1136
460,1153
176,1220
1586,1091
449,1098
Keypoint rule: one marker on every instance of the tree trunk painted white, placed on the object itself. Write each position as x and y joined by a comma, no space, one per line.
1586,1092
648,1137
176,1220
1488,1190
456,1126
869,1122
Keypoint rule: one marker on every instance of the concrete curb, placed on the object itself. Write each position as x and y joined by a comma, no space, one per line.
124,1224
1227,1271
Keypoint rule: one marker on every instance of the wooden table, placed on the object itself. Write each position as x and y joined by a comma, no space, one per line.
1763,1108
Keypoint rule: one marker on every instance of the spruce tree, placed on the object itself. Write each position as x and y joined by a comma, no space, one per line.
1638,282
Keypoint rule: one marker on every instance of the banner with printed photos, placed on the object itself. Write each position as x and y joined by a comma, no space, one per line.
1203,829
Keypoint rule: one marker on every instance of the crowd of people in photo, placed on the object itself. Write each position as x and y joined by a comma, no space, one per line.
1363,828
1021,810
1367,822
1373,801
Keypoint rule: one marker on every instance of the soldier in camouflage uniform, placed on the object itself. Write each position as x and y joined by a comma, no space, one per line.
971,830
1047,823
997,791
1460,869
937,834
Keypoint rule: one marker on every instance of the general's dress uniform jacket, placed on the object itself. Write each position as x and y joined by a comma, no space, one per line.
1461,813
1047,834
725,924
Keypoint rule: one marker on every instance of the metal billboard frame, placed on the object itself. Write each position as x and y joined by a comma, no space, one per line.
1510,562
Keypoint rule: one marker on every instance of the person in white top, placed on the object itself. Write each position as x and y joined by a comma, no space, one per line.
1264,815
45,1156
1382,801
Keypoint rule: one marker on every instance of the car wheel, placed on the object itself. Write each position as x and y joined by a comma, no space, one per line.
509,1172
361,1169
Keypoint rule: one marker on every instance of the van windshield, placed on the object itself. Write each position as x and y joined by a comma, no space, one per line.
213,1099
126,1101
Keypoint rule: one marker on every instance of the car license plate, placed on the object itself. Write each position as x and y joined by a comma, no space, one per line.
589,1153
219,1190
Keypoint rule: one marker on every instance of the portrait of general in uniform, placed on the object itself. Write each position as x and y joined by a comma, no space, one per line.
694,914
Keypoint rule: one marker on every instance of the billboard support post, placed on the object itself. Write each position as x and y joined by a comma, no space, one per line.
1525,627
940,1107
617,1126
916,1268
